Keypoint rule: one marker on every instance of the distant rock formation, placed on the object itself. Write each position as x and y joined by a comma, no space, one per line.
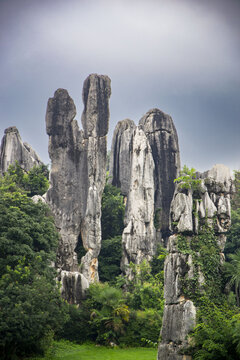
77,178
13,149
189,211
139,239
120,160
162,136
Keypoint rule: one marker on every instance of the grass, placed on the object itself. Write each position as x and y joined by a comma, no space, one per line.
68,351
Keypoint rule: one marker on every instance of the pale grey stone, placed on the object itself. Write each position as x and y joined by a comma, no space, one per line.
213,208
120,160
73,286
13,149
163,139
139,237
37,198
78,174
181,211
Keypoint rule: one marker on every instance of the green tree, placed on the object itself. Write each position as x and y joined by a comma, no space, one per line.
110,258
35,181
216,335
113,208
30,303
232,270
188,179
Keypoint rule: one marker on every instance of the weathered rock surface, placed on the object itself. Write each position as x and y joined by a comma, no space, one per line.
139,238
120,160
73,287
210,203
13,149
77,175
162,136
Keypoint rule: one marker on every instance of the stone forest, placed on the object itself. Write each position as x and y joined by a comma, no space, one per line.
178,218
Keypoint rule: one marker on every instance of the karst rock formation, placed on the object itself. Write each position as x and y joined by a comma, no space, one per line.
163,139
144,162
77,180
13,149
120,160
187,214
163,161
138,237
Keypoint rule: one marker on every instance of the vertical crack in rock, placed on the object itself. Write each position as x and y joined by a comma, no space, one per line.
77,178
139,234
162,136
13,149
214,202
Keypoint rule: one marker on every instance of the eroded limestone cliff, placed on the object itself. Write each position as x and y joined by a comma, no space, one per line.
77,179
139,238
191,210
163,139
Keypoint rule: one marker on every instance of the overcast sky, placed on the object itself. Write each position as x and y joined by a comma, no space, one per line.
181,56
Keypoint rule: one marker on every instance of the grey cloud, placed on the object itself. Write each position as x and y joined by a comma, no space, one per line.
168,54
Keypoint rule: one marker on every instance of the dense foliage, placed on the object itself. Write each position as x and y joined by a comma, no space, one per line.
34,182
111,315
30,303
216,335
113,209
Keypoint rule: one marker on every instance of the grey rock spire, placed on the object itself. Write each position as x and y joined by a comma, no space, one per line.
77,177
162,136
120,160
139,240
13,149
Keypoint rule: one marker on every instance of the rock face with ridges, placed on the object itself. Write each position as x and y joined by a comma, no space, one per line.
77,176
139,238
189,211
120,160
95,121
162,136
13,149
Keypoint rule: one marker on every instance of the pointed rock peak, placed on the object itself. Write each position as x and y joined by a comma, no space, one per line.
11,129
61,111
155,120
124,125
96,94
13,149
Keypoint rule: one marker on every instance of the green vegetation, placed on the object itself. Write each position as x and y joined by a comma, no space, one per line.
30,303
113,209
216,335
117,312
188,179
70,351
110,315
204,251
35,182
